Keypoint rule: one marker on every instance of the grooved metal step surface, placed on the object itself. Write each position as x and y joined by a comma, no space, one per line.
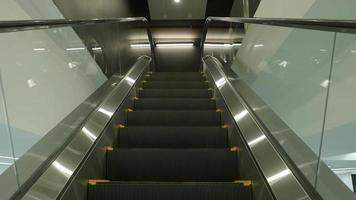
173,137
172,76
175,103
179,165
168,191
174,118
175,93
176,84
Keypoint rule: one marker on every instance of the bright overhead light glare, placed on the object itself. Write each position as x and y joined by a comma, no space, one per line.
218,45
143,45
259,45
75,49
170,45
39,49
279,175
96,48
176,1
256,140
67,172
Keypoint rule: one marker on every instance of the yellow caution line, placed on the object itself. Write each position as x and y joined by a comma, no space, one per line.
245,183
119,126
95,181
235,149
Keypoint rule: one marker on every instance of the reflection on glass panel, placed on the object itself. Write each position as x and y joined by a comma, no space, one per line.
223,41
288,70
7,159
46,75
339,147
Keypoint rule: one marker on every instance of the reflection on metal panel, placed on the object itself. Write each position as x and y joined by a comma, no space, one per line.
283,183
61,169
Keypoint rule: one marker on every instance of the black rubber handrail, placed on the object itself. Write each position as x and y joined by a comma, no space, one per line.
343,26
27,25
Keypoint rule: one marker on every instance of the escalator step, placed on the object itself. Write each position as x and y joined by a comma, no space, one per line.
169,191
173,137
175,103
176,76
175,93
175,84
176,165
174,118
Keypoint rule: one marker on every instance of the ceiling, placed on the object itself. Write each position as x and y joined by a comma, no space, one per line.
181,9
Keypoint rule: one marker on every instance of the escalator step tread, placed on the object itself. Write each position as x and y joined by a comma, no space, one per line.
173,137
169,191
175,84
176,76
174,118
157,164
175,93
175,103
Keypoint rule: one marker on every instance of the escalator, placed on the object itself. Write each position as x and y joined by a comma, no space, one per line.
173,146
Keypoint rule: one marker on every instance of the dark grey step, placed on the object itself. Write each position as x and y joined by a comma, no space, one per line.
175,93
173,137
175,84
176,76
172,165
173,118
168,191
175,103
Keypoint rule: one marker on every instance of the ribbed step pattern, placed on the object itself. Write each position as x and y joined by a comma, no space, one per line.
173,118
180,165
173,146
169,191
175,93
184,137
175,103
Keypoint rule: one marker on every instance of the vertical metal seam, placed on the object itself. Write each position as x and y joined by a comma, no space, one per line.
2,90
118,52
325,111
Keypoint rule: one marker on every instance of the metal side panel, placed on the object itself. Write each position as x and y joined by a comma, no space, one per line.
247,166
282,182
94,166
52,182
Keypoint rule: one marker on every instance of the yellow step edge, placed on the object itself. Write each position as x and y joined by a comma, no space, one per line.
135,98
235,149
225,126
147,75
219,110
213,98
245,183
140,88
144,81
210,89
120,126
129,110
108,148
95,181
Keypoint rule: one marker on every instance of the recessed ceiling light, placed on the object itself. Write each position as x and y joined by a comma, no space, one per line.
176,1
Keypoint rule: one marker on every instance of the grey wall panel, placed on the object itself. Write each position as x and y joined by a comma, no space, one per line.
79,9
177,58
104,35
